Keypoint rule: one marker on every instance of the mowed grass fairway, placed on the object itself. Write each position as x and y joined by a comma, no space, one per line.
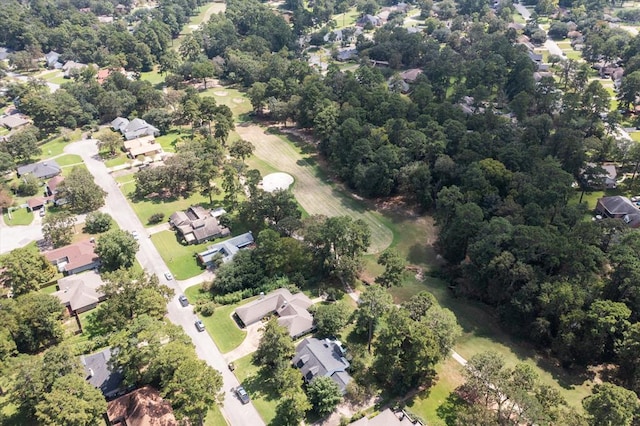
315,193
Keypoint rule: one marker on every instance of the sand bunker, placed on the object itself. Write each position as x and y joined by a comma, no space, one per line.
276,181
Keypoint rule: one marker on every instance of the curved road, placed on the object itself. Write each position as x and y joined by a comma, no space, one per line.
116,204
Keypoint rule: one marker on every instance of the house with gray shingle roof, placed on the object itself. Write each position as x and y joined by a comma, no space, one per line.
135,128
322,358
197,225
44,170
226,249
619,207
291,310
80,293
101,375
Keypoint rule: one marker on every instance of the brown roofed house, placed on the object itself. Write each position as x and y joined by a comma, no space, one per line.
36,203
74,258
52,184
142,407
291,310
79,293
196,225
145,145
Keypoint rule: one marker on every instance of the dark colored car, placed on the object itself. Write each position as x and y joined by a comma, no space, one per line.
243,395
199,325
183,300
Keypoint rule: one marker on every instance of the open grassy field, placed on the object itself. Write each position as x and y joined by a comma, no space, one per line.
347,19
180,258
236,100
168,141
20,216
315,193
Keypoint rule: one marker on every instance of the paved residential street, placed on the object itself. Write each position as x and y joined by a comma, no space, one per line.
233,410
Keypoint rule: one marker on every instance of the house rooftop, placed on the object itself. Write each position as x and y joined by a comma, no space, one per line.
227,248
80,291
142,407
291,310
388,418
41,170
322,358
14,121
73,256
100,374
142,146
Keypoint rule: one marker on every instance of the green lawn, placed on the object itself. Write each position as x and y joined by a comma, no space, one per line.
167,142
152,77
264,399
434,405
635,136
236,100
67,170
49,289
347,19
116,161
68,160
196,294
21,216
573,54
223,329
214,417
180,258
147,207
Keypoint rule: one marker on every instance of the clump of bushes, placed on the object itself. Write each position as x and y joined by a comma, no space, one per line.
155,218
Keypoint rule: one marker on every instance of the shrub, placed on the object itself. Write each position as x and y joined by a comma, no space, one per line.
155,218
208,309
97,222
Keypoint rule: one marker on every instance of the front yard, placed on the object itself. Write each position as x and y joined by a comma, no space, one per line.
264,398
20,216
223,329
180,258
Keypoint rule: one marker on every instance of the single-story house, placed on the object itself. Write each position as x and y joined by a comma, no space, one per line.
74,258
52,59
369,19
134,128
410,76
52,185
619,207
227,249
80,293
14,121
104,73
101,375
44,170
145,145
388,418
322,358
142,407
346,54
291,311
36,203
196,225
70,66
609,175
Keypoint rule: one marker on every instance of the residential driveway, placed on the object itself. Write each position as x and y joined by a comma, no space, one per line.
233,410
249,344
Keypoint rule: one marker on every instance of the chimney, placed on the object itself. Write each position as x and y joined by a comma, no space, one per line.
90,373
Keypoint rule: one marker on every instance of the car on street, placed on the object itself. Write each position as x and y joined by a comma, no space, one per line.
168,276
183,300
199,325
243,395
135,235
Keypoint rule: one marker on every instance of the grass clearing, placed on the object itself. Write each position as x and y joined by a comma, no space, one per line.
195,294
263,397
235,99
313,190
168,141
117,161
56,146
67,170
152,77
68,160
223,329
346,19
179,258
19,217
214,417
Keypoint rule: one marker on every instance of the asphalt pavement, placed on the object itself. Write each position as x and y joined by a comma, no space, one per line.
116,204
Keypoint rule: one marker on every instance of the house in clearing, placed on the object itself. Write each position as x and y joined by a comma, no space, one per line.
80,293
100,373
72,67
606,176
44,170
291,311
225,249
197,225
145,145
134,129
14,121
322,358
74,258
388,418
142,407
619,207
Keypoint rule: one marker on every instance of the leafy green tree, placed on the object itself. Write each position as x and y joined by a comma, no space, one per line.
130,294
193,389
23,144
331,318
116,249
80,191
241,149
442,322
58,228
394,266
72,401
26,269
419,305
374,302
406,353
108,140
292,408
97,222
275,349
6,162
38,322
611,405
324,395
29,185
